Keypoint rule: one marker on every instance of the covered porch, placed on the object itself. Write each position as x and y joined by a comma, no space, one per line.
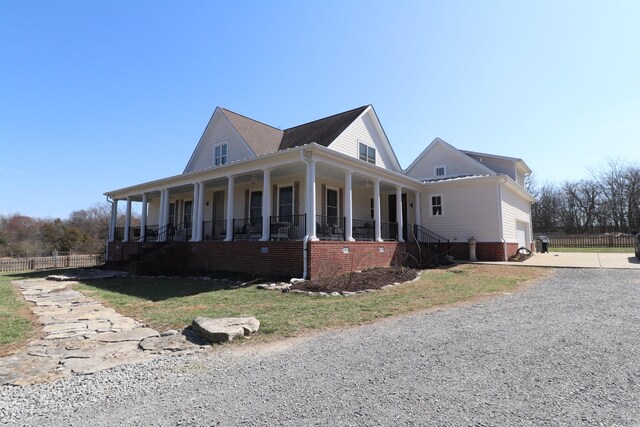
309,195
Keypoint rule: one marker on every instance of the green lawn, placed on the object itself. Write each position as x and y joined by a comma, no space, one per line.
16,320
593,250
173,303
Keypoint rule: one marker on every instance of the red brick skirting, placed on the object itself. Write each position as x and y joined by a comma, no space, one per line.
284,258
329,259
485,251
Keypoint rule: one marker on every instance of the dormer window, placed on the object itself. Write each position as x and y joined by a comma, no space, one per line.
366,153
439,171
220,155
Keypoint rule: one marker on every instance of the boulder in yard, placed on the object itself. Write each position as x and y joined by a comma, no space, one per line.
224,329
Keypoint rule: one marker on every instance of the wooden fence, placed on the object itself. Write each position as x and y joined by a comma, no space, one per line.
41,263
581,241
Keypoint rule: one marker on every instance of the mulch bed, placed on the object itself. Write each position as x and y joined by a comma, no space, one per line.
374,278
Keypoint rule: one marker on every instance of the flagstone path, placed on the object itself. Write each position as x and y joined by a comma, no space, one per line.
81,336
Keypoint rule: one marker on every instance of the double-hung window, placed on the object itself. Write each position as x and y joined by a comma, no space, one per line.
436,205
285,203
255,207
440,170
366,153
220,155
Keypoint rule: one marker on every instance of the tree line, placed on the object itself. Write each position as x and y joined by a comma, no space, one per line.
84,231
606,202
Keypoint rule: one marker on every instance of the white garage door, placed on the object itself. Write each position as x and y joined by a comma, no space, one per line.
521,233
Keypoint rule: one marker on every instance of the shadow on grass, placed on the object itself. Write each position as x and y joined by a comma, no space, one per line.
153,288
161,289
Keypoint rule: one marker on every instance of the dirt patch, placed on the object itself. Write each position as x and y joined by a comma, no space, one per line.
374,278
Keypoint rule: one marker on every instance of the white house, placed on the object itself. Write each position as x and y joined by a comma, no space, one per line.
286,202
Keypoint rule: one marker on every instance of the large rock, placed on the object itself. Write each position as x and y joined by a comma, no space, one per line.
224,329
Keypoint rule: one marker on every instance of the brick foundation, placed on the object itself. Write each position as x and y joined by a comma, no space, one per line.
485,251
328,259
274,259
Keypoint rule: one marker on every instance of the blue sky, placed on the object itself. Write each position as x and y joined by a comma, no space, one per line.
96,96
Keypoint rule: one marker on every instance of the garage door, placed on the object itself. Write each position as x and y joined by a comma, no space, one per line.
521,234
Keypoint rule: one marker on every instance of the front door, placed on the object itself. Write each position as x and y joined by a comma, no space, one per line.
217,216
393,217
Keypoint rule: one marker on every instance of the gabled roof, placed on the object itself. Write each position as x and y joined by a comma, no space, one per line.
260,137
494,156
322,132
440,142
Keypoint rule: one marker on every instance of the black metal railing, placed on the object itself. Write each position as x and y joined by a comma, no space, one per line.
151,233
363,229
288,227
181,232
214,230
330,227
389,230
424,235
247,229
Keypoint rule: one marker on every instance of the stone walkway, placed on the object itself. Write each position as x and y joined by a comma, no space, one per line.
81,336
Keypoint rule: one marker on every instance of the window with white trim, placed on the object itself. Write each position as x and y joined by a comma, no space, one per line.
255,207
366,153
285,202
220,154
440,170
436,205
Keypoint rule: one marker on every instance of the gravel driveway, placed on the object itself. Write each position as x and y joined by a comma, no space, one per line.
565,351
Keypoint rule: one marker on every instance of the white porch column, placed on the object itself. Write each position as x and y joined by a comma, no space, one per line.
194,212
165,215
200,211
127,220
161,210
266,204
399,212
230,190
114,219
143,217
418,211
376,209
311,200
348,208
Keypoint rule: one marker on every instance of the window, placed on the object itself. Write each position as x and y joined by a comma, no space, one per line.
285,203
440,170
172,213
255,207
220,155
366,153
332,205
436,205
186,216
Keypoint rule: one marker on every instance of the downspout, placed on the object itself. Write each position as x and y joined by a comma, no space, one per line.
500,227
110,201
305,241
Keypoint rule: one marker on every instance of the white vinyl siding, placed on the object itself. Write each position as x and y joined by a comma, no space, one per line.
218,132
514,209
469,210
363,130
456,164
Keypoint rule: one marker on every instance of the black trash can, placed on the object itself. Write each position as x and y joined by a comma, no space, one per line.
543,241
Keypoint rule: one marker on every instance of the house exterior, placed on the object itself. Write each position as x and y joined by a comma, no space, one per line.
325,197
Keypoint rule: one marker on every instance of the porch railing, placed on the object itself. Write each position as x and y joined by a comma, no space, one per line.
363,229
247,229
214,230
330,227
288,227
423,235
